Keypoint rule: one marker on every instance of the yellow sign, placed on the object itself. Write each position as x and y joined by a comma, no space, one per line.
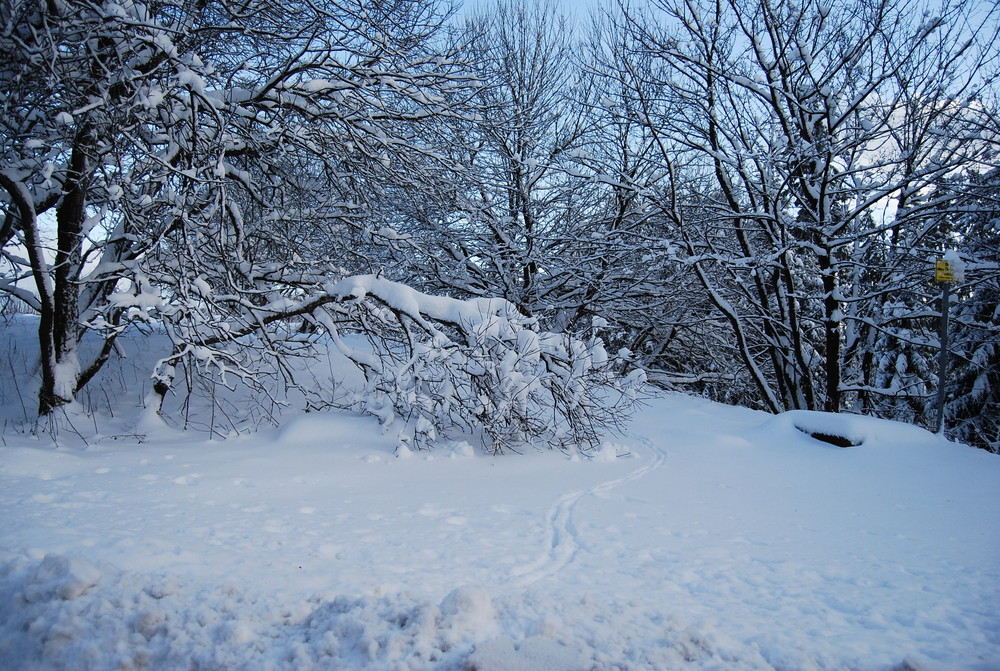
943,272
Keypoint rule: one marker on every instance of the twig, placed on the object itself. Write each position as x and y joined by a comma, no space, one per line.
17,387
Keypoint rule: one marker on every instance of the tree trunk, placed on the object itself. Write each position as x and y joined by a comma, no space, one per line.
59,327
831,329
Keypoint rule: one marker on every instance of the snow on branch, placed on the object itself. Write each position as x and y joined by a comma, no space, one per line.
436,365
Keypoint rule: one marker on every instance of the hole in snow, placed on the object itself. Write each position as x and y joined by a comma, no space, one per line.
833,439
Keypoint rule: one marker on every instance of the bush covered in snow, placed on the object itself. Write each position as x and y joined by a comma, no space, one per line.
438,365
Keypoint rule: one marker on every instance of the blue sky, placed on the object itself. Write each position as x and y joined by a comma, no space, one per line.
575,9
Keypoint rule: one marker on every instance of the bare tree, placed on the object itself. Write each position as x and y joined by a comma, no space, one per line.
205,164
808,129
548,212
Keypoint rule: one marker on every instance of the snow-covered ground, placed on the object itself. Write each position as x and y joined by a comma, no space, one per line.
707,537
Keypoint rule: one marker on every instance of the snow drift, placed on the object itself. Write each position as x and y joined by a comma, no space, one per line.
706,537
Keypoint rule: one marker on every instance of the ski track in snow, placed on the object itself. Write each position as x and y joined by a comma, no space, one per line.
563,538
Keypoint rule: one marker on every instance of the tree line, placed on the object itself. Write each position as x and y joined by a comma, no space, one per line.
742,200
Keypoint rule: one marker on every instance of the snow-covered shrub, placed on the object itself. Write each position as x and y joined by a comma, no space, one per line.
439,365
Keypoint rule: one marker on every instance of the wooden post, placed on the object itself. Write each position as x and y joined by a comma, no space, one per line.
943,356
947,270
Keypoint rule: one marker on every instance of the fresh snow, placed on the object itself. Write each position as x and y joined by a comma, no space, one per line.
704,537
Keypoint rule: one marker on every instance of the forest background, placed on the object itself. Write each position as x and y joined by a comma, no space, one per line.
525,217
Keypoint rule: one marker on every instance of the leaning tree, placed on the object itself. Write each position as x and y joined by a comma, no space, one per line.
203,161
214,168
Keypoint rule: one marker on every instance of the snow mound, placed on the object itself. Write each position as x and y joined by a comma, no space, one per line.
609,452
845,430
63,612
58,577
377,632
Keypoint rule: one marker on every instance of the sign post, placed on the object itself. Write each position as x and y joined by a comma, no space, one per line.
946,271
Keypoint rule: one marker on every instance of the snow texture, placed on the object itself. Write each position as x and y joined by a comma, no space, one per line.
704,537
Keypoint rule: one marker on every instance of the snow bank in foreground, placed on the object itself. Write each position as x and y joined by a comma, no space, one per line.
66,613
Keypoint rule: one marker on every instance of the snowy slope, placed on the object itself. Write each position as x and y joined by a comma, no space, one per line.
708,537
